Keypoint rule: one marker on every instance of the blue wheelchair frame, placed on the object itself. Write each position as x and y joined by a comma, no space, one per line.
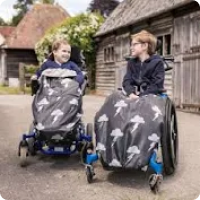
39,144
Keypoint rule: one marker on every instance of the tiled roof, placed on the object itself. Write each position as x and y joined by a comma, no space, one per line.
132,11
34,25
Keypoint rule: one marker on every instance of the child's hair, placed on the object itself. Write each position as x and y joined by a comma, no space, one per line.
56,45
146,37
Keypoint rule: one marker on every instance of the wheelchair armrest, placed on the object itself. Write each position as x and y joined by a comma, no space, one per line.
34,86
122,91
84,86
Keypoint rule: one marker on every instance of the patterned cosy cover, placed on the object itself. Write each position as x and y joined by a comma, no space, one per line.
56,105
128,131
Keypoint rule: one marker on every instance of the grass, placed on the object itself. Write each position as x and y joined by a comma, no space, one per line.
5,90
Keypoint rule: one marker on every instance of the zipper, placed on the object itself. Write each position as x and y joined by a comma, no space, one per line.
140,71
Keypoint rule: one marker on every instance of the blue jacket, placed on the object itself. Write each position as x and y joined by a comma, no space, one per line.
148,77
68,65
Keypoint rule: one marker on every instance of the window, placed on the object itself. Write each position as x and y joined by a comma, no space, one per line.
165,48
109,54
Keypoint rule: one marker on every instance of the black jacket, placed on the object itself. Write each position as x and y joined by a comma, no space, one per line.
147,77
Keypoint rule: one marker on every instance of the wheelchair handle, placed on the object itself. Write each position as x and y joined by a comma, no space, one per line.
165,62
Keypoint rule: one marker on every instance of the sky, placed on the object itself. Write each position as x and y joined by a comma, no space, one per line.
72,6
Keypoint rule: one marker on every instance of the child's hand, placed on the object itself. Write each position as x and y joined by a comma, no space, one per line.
133,96
34,77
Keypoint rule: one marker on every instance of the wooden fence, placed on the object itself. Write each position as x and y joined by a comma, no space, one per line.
24,77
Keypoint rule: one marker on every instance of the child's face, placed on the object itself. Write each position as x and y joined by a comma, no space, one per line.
63,53
138,48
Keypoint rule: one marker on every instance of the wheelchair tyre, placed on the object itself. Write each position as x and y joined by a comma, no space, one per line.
89,129
31,141
87,144
89,174
169,140
23,153
105,165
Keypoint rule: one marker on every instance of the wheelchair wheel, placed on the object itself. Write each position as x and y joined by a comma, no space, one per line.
89,173
31,141
87,146
105,165
89,129
169,140
23,153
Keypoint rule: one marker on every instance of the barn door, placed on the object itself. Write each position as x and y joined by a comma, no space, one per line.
178,50
187,54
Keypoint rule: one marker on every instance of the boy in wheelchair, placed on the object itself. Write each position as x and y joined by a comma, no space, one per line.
63,56
145,73
57,106
129,131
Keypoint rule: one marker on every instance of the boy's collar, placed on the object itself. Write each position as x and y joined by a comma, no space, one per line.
58,63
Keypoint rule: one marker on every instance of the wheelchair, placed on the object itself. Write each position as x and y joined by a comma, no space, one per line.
57,142
168,145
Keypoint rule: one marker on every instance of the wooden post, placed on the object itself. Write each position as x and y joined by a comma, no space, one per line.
3,66
22,77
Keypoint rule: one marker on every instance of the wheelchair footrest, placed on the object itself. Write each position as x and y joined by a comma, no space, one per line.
91,158
157,167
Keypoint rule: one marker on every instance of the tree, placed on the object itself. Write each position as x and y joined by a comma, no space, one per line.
104,7
79,31
47,1
22,6
2,22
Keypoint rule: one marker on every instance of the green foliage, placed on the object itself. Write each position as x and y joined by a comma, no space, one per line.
104,7
5,90
79,31
2,22
31,69
22,7
48,1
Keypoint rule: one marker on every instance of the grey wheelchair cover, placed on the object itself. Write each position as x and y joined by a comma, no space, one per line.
56,105
128,131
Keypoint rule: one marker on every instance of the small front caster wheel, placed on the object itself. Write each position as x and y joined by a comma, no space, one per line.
23,153
90,173
155,181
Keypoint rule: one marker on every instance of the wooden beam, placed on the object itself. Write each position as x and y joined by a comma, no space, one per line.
22,77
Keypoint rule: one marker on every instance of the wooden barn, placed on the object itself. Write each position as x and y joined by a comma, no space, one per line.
176,23
19,46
